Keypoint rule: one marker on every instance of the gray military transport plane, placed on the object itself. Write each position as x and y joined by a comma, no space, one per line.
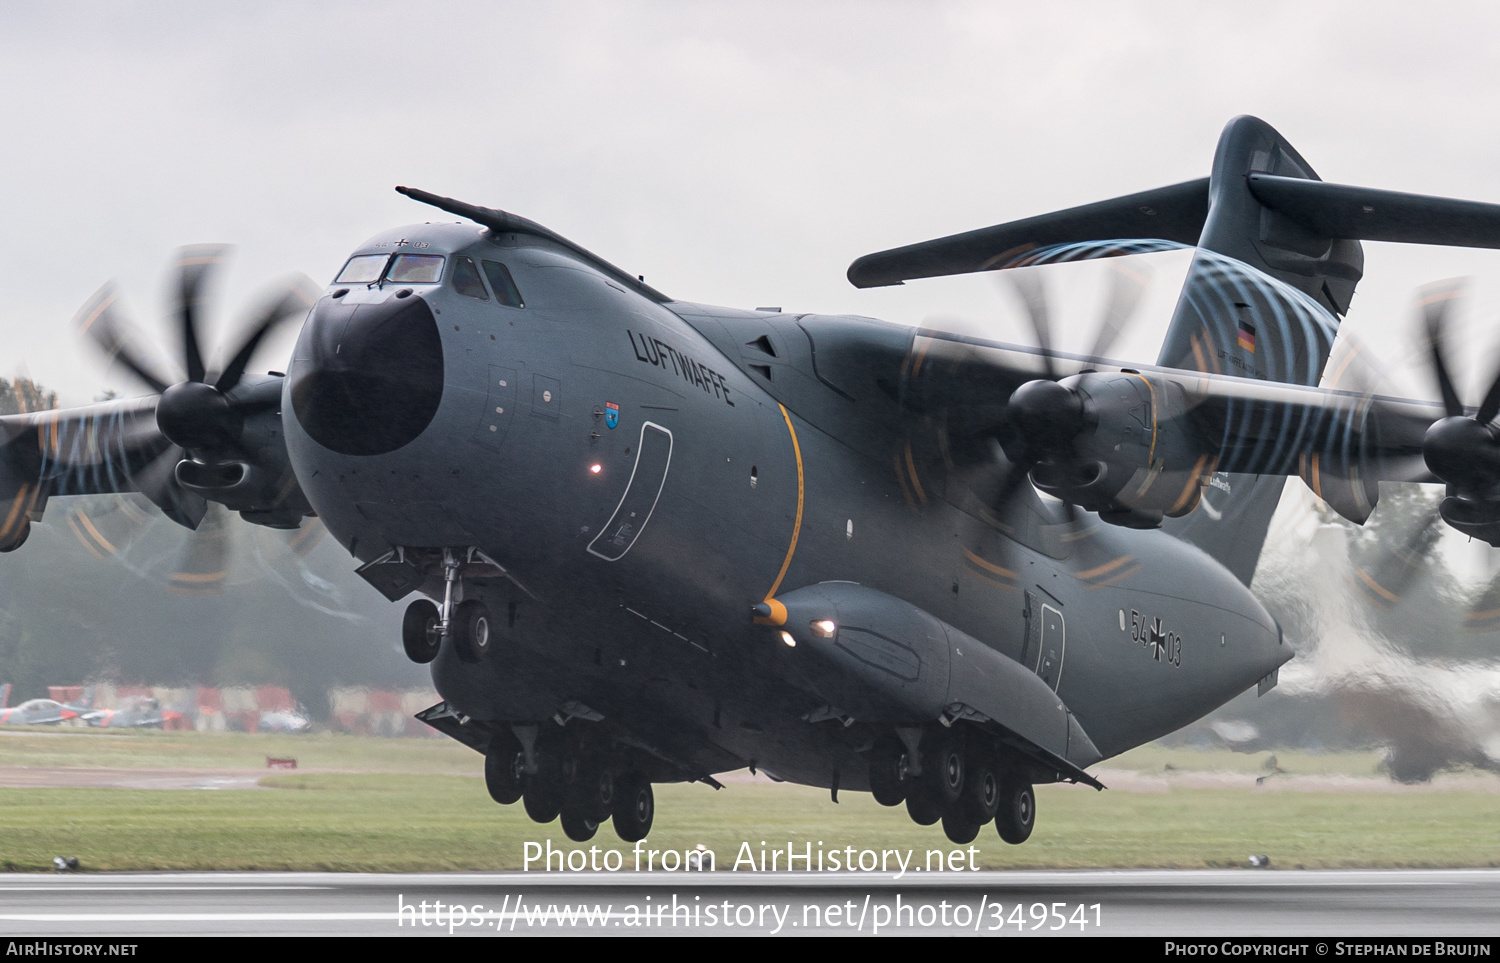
650,540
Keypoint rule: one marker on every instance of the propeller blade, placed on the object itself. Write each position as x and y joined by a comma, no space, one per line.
303,539
1398,566
1126,289
204,565
1484,614
100,320
89,534
158,482
1015,481
1491,404
1344,475
28,396
1033,295
194,265
1353,367
1437,301
290,304
105,524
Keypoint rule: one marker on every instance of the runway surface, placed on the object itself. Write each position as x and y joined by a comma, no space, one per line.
1208,903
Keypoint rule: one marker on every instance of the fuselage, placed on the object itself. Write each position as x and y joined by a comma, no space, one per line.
647,472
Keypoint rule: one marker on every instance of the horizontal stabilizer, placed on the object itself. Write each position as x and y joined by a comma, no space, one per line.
1365,214
1174,213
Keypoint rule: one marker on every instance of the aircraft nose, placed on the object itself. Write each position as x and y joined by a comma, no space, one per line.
367,379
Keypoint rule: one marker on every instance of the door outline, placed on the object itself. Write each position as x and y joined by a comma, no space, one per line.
609,526
1062,647
1036,634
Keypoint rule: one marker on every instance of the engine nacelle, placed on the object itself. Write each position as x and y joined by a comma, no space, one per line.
264,489
1133,458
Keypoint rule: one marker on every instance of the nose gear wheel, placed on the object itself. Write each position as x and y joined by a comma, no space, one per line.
421,636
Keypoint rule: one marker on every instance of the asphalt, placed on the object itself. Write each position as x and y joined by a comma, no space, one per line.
1445,904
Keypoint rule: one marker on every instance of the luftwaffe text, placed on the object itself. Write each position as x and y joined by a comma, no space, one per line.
655,352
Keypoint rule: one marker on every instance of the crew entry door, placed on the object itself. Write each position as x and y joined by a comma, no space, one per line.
653,458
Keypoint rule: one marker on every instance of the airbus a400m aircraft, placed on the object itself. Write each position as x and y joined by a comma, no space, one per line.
644,540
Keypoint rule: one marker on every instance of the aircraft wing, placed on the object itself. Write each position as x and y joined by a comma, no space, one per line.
110,447
1342,443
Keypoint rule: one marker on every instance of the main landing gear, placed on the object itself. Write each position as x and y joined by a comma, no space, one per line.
466,621
586,786
960,782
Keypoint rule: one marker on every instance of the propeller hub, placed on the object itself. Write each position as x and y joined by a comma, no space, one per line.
1047,415
197,416
1464,453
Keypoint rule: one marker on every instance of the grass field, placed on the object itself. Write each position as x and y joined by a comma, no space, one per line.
409,804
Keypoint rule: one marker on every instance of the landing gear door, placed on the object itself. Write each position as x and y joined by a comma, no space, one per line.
1046,638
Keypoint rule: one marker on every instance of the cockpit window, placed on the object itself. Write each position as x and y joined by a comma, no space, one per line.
415,269
363,269
466,279
505,286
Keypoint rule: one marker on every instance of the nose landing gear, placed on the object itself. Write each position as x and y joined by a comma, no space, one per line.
466,621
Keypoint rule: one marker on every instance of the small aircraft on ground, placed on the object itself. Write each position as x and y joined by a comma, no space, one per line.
651,540
40,712
136,712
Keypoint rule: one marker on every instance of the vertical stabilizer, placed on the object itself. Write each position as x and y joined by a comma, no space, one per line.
1228,323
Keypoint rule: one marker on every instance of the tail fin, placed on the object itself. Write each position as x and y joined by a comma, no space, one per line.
1255,330
1277,263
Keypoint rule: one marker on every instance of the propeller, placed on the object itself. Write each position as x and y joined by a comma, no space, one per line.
992,452
203,566
1043,417
1404,555
197,438
118,528
202,415
1462,450
1029,440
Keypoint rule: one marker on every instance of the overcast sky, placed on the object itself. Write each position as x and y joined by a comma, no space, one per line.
735,153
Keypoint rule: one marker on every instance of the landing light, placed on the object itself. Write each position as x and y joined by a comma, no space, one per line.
824,628
596,469
786,637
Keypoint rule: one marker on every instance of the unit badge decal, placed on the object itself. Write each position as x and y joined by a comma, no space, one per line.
611,414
